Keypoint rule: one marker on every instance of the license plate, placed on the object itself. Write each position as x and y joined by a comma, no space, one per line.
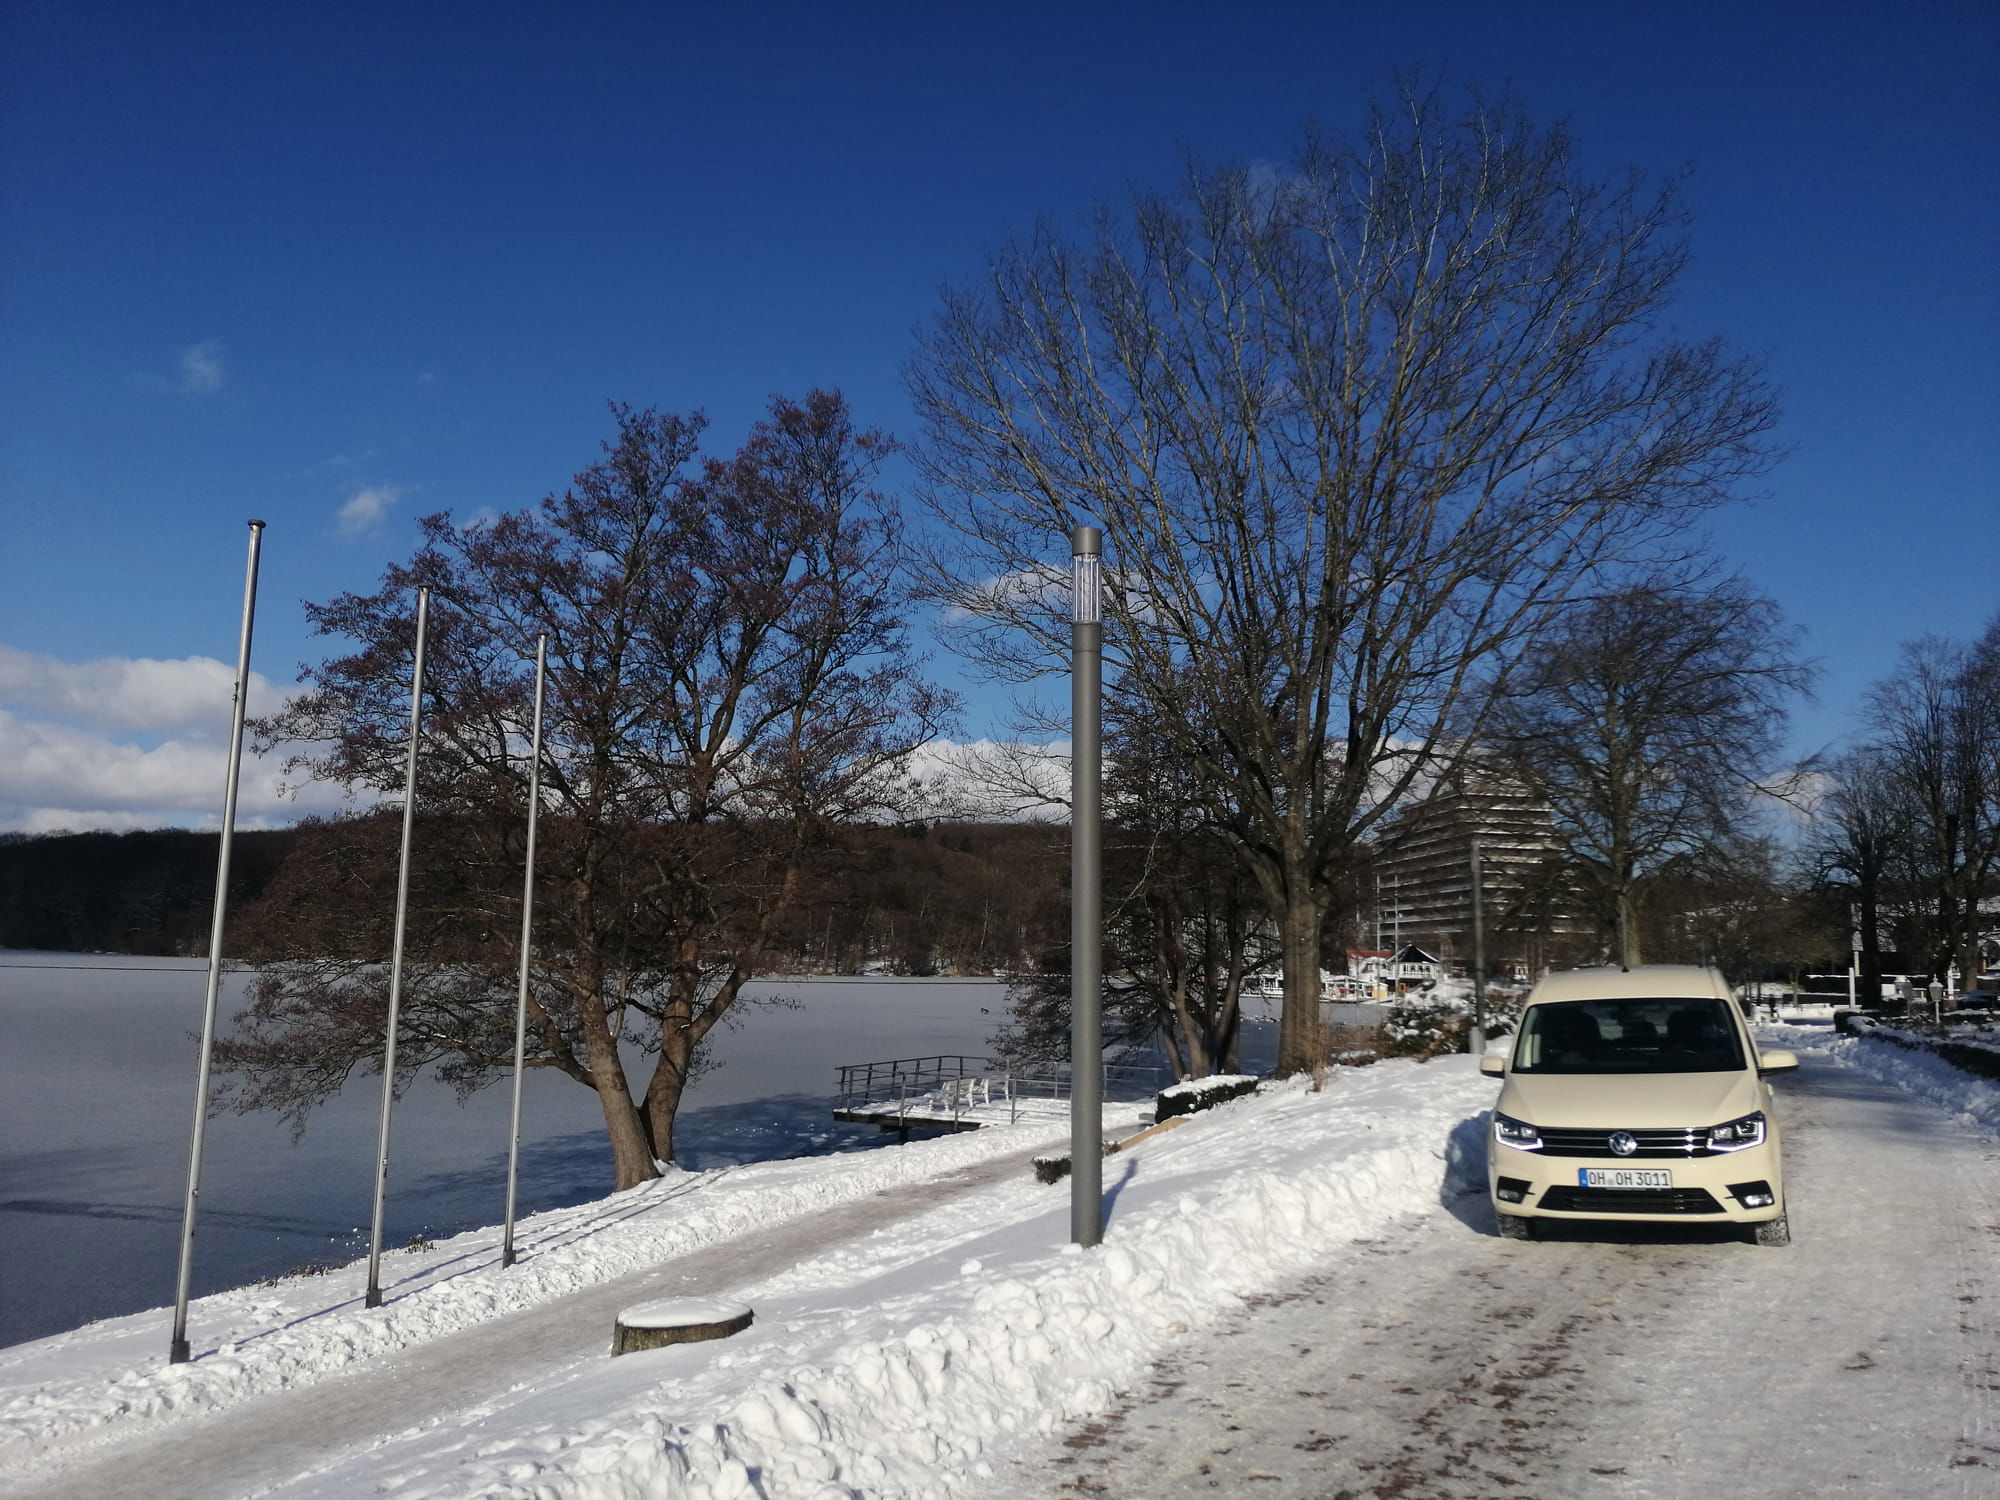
1623,1177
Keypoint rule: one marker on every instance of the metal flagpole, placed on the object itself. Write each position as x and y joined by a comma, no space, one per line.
1086,934
527,938
374,1298
1475,1041
177,1352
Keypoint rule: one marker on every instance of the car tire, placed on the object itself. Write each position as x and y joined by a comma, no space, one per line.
1774,1233
1515,1227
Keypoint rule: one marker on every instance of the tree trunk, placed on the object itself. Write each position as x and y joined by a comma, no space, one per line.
668,1085
1188,1046
1229,1025
1298,1024
1192,1044
631,1154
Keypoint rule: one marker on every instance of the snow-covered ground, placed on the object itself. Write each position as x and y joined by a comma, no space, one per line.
923,1328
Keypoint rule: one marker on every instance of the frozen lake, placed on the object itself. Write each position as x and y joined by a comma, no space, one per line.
97,1093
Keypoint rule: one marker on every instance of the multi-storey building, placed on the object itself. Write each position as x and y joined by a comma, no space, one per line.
1423,870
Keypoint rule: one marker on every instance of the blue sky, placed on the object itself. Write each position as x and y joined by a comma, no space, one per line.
339,266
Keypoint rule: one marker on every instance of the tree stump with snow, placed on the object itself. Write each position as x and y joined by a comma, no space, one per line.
677,1320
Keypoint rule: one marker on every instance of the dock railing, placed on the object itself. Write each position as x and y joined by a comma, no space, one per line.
956,1090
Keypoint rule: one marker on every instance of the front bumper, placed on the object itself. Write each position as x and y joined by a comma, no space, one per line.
1706,1189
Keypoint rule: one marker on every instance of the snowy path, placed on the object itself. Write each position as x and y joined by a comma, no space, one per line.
1442,1362
260,1444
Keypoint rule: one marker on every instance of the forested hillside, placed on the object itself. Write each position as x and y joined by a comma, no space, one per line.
124,892
919,899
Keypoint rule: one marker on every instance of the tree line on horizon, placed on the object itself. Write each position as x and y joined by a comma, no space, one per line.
1399,468
915,899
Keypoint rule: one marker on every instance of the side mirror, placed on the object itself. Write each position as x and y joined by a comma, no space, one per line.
1495,1065
1776,1062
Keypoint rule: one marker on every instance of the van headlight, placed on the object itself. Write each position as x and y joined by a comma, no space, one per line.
1522,1136
1738,1135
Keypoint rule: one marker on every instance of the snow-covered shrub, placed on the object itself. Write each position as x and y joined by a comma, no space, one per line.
1425,1031
1194,1094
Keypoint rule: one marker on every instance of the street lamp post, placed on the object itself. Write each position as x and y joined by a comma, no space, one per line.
1086,1049
1475,1041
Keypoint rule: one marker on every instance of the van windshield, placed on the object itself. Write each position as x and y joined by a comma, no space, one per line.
1628,1036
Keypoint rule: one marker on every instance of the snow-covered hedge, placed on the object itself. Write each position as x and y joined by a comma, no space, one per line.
1193,1094
1975,1055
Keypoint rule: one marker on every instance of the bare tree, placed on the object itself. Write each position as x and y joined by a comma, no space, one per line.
1183,926
1352,429
1190,923
1858,826
729,682
1745,908
1933,724
1646,721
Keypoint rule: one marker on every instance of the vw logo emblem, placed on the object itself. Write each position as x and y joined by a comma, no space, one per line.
1623,1143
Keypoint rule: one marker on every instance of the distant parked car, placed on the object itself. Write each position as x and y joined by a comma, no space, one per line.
1979,1000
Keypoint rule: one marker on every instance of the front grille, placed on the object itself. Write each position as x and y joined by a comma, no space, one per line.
1581,1200
1654,1145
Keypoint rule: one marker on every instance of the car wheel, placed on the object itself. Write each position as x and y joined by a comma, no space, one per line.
1514,1227
1773,1232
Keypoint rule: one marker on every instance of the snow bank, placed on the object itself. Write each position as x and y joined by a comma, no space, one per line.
271,1336
917,1384
1973,1101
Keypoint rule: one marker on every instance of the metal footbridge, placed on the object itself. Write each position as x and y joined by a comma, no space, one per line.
956,1091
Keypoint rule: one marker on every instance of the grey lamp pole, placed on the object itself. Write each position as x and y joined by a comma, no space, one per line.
527,940
1475,1041
1086,925
374,1298
177,1350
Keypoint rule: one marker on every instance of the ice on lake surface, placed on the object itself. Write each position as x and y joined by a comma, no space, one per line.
97,1098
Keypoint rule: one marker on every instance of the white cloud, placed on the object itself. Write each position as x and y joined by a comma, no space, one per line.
1044,589
200,373
59,776
132,742
129,692
93,820
1006,779
366,509
201,369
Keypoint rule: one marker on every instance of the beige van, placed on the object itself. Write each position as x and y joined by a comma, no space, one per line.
1637,1094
